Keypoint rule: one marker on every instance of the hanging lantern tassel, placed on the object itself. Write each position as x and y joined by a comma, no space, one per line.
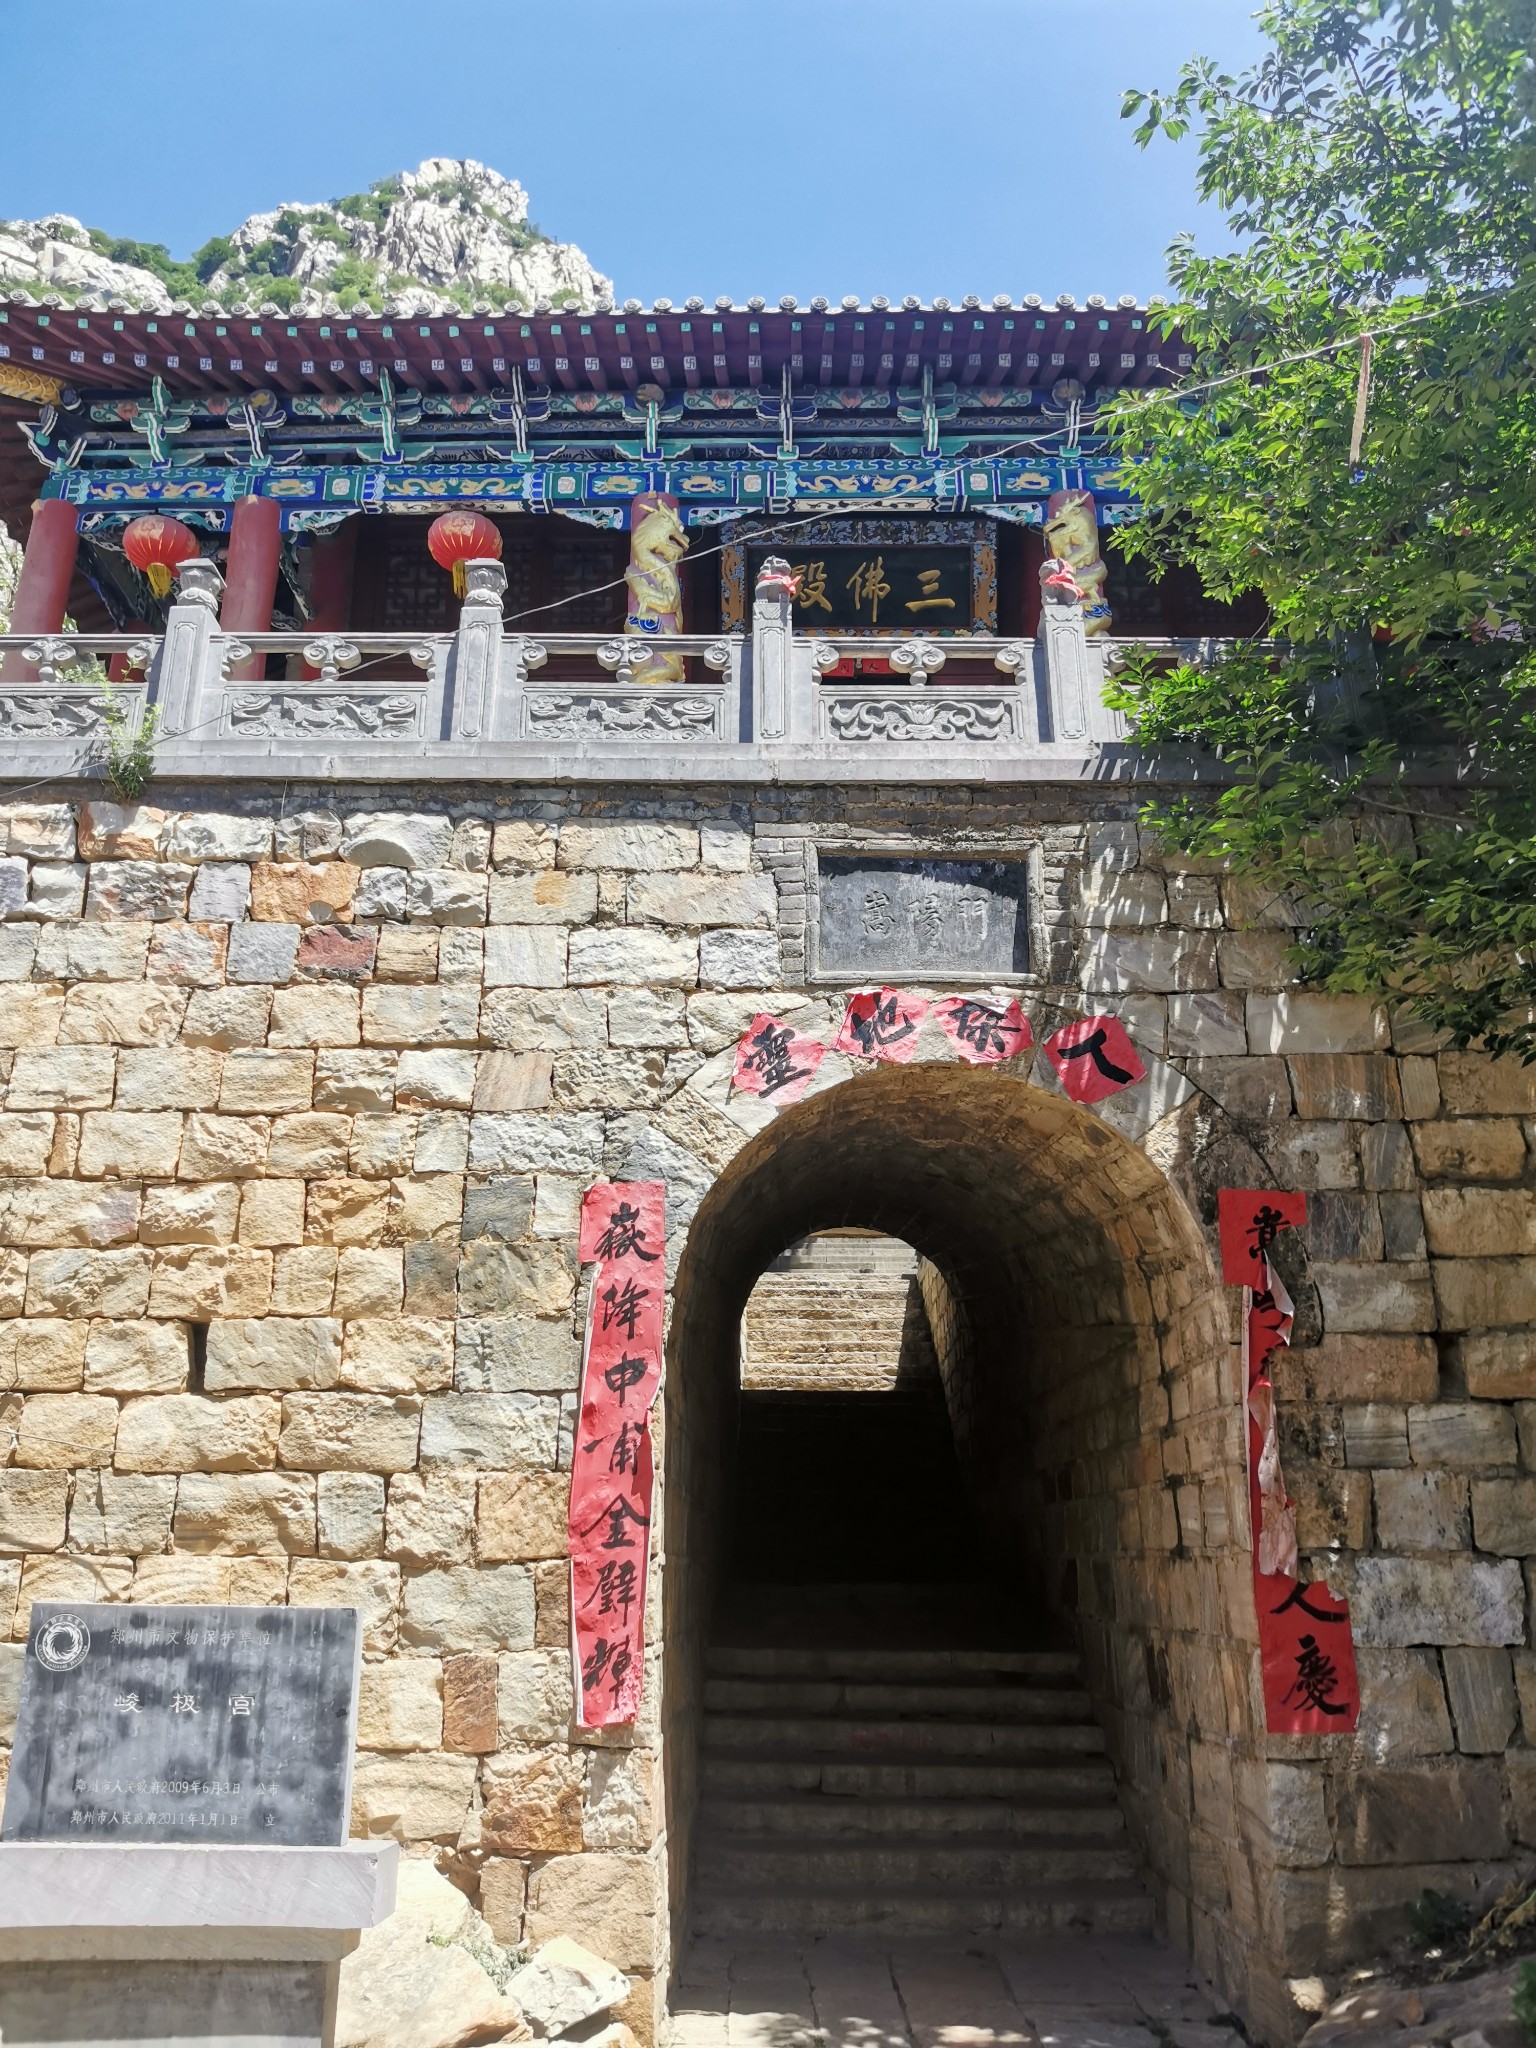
459,583
1362,398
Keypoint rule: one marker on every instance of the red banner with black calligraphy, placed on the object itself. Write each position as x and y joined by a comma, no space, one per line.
1093,1058
882,1024
1306,1645
775,1060
623,1229
983,1033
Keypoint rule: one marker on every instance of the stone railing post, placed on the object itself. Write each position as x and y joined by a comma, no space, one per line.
475,662
186,687
783,679
1072,674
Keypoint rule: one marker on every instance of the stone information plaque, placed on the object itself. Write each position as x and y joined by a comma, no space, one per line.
887,917
185,1724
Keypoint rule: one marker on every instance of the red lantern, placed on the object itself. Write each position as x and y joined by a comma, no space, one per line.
460,537
156,545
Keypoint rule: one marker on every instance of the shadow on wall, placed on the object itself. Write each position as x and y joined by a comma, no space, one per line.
1093,1387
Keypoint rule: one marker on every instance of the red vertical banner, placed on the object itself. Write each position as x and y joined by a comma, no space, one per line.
1306,1646
623,1229
1248,1220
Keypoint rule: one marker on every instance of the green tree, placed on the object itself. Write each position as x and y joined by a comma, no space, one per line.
1376,169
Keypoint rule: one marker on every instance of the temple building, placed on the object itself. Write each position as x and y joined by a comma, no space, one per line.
535,845
906,458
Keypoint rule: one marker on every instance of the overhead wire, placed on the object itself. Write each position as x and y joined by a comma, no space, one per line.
1070,429
1074,424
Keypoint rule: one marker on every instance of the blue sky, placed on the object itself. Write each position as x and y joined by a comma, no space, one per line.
928,146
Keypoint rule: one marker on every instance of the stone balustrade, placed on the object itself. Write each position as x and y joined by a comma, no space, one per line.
497,697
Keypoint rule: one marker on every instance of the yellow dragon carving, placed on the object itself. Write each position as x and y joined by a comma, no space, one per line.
1072,535
657,543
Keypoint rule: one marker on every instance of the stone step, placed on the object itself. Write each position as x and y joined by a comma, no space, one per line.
820,1816
856,1778
897,1666
867,1699
903,1740
1116,1908
979,1863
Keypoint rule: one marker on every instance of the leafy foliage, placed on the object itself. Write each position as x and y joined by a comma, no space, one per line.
372,205
1523,2000
128,752
184,279
1376,169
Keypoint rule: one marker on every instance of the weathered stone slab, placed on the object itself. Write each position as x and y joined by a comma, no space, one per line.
418,1981
1481,1687
174,1724
1416,1600
881,918
1413,1813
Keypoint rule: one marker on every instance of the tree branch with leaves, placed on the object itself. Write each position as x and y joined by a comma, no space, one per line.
1376,169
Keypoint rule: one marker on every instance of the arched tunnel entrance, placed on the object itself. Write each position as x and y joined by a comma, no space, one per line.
1089,1403
842,1411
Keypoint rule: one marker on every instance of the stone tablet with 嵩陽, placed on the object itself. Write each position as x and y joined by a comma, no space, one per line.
885,917
215,1725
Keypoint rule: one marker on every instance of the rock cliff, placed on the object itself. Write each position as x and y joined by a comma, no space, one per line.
451,234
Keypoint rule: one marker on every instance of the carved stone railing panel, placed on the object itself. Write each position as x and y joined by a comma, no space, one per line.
337,653
54,687
288,711
364,687
941,717
55,714
550,714
610,701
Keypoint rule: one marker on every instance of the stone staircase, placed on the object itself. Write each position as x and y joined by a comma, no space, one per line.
907,1792
799,1336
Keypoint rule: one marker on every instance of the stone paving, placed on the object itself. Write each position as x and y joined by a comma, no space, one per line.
1108,1991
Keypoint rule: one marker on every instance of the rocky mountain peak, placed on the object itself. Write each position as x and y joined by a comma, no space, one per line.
450,235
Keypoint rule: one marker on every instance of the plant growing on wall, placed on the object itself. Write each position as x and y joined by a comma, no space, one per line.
128,749
1376,169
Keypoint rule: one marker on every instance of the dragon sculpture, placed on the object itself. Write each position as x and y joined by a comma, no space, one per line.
1072,535
657,543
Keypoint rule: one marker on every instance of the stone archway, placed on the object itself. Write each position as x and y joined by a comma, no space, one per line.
1093,1388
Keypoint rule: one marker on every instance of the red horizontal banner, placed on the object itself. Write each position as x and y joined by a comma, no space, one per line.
775,1060
1093,1058
882,1024
983,1033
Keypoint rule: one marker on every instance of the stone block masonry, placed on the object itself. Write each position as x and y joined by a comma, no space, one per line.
298,1096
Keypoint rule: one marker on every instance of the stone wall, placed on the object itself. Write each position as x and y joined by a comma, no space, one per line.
301,1091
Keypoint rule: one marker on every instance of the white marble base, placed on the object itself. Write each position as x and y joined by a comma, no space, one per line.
150,1946
82,1884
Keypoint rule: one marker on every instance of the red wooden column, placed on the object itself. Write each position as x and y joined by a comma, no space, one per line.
250,577
42,589
330,582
